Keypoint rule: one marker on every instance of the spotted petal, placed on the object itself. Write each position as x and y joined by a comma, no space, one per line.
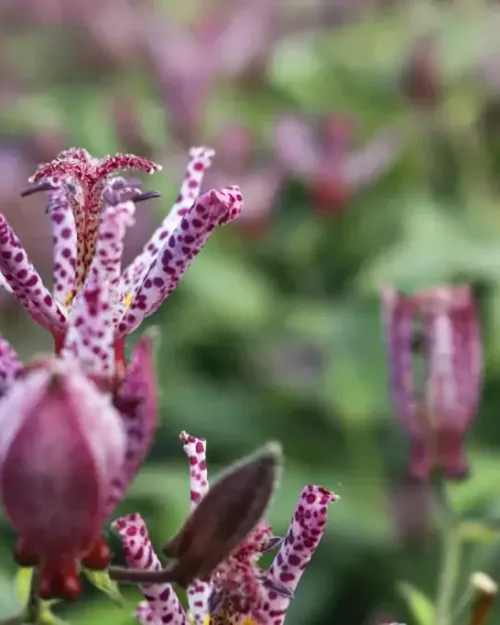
64,242
399,313
163,604
198,592
26,282
109,251
4,284
10,366
90,334
210,210
200,161
136,400
303,537
195,449
453,371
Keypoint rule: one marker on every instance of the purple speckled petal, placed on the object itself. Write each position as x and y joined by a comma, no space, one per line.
212,209
470,354
64,241
200,161
145,615
136,400
195,449
304,534
453,375
454,355
162,600
198,593
25,281
115,220
10,366
109,249
4,284
90,335
399,314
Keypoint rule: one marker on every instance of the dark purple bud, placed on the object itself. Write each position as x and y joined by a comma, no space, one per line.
226,515
222,520
422,80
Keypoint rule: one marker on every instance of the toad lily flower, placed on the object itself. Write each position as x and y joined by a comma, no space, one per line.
238,590
448,341
69,449
90,212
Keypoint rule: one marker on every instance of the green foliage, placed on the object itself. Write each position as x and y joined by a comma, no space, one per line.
102,581
23,582
421,607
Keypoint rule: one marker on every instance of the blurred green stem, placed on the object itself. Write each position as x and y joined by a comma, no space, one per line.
31,613
33,607
450,559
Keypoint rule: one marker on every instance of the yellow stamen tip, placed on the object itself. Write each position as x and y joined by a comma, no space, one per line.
69,299
127,300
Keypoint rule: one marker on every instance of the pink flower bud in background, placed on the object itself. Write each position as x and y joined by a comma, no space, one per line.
438,414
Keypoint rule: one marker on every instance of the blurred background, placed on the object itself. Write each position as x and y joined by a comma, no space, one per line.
365,135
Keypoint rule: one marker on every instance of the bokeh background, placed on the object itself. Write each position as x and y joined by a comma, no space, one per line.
365,136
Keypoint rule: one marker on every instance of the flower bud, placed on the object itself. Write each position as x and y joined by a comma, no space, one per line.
61,444
437,414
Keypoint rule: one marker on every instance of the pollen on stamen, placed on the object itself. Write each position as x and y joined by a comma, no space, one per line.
127,300
69,299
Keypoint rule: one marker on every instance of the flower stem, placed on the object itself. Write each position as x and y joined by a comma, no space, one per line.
450,560
32,614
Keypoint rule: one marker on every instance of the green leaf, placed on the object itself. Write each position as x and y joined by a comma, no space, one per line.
420,606
102,581
47,617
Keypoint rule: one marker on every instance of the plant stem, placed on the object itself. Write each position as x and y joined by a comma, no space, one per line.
33,607
450,560
31,614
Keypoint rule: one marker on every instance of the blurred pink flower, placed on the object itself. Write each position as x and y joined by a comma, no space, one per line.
224,42
323,159
438,415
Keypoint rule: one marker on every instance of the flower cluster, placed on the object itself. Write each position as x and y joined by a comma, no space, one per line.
238,591
76,426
